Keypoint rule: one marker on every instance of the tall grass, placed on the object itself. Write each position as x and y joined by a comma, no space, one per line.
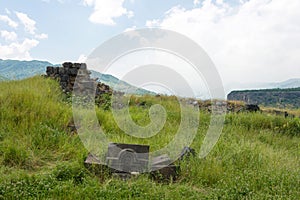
257,156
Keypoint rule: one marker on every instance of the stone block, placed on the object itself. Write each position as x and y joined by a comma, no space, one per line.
166,173
67,65
49,70
128,157
73,71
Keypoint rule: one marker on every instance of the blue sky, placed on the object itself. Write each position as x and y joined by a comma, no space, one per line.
248,40
67,25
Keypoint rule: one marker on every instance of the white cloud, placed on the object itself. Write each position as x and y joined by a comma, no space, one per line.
130,14
106,11
9,21
8,36
18,50
219,2
257,40
28,23
41,36
196,2
130,29
15,46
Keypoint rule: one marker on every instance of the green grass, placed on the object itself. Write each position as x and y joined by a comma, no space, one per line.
257,156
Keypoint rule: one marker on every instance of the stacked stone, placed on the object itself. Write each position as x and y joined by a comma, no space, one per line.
70,73
222,106
235,106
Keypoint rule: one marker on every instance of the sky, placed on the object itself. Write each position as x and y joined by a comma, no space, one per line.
248,40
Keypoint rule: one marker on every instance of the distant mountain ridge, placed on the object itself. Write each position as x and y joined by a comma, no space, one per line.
290,83
16,70
120,85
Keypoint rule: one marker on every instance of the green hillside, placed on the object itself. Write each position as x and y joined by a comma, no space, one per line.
121,85
14,69
3,78
281,98
257,156
17,70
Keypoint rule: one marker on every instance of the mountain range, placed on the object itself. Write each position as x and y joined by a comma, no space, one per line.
290,83
16,70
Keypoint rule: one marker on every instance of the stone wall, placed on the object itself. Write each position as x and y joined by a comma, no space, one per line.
67,74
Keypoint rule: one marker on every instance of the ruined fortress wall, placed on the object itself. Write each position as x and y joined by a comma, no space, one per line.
67,74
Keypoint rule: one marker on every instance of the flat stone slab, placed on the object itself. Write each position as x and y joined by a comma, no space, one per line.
128,157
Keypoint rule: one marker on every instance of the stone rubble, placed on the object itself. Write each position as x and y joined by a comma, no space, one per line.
68,73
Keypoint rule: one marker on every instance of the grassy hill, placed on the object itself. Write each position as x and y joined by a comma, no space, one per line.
121,85
257,156
16,70
3,78
282,98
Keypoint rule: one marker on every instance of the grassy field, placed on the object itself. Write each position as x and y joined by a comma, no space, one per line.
257,156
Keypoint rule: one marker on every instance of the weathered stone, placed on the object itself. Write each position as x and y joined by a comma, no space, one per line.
69,73
128,157
62,71
56,70
162,168
252,108
64,78
49,71
186,153
83,66
67,65
163,160
166,173
73,71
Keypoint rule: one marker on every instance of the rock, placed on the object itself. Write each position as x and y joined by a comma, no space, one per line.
163,170
128,157
166,173
252,108
186,153
163,160
71,72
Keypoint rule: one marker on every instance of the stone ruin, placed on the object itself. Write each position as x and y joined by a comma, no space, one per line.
121,158
228,106
127,160
67,74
